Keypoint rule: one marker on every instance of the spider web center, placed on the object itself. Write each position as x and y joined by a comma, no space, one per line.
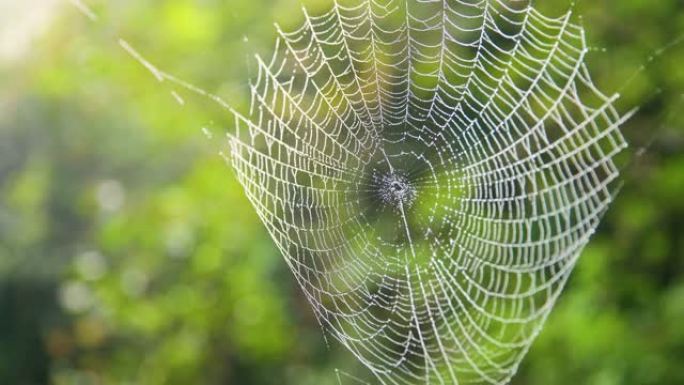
395,189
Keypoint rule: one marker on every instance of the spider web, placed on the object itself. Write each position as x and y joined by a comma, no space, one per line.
430,171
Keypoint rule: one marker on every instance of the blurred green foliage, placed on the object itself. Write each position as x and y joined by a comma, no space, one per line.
129,254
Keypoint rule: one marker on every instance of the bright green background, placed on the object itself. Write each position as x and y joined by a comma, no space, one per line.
129,254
